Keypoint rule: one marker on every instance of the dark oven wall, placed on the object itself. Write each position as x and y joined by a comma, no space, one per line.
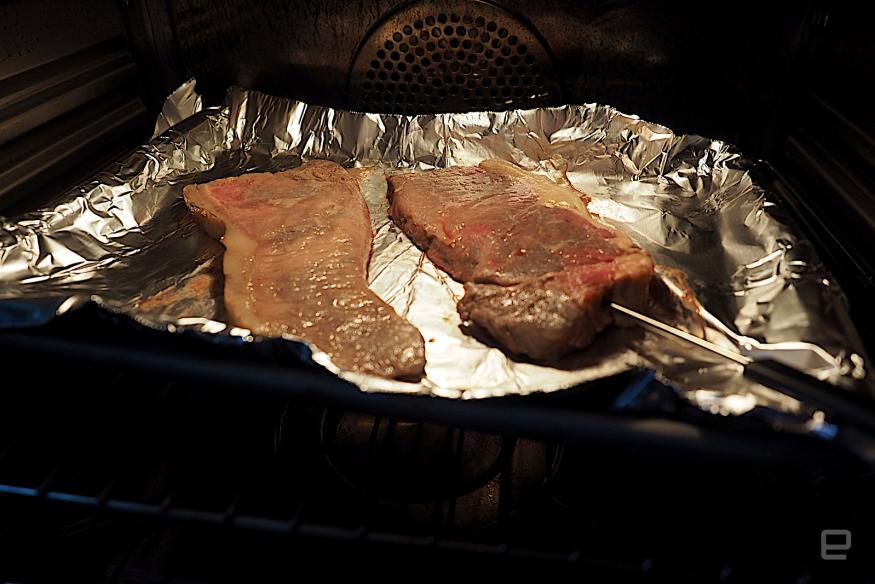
668,61
70,96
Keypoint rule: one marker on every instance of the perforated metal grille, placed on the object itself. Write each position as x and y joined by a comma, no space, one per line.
431,58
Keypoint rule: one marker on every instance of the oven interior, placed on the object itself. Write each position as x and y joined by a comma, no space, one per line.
128,457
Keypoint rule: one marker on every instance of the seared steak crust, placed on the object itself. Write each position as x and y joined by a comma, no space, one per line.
538,268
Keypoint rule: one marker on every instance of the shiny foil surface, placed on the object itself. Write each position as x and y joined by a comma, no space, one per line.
127,242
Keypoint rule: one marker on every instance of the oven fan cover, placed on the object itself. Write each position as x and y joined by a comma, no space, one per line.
452,57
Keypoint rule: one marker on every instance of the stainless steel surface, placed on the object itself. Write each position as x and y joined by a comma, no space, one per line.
451,55
660,327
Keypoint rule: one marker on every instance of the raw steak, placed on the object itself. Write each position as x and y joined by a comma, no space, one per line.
538,268
296,260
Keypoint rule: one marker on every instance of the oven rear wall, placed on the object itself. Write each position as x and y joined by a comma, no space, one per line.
729,76
665,60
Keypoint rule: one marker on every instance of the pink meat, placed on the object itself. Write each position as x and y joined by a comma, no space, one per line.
538,268
296,261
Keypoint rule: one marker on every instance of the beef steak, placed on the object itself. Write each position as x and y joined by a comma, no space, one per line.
538,268
296,260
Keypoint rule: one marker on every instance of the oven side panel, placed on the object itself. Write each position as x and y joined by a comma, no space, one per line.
69,96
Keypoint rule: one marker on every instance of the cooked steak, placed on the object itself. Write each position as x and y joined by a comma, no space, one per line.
296,260
538,268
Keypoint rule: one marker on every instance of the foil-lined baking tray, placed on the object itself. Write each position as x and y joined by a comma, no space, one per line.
127,242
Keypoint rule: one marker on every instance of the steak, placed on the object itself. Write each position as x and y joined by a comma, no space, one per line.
297,245
538,268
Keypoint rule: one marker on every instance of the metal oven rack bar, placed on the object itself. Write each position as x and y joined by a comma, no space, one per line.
543,417
164,450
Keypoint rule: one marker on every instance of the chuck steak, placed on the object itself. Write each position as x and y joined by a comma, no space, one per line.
296,260
538,268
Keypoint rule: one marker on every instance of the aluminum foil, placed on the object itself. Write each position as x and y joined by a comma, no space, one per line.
732,271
